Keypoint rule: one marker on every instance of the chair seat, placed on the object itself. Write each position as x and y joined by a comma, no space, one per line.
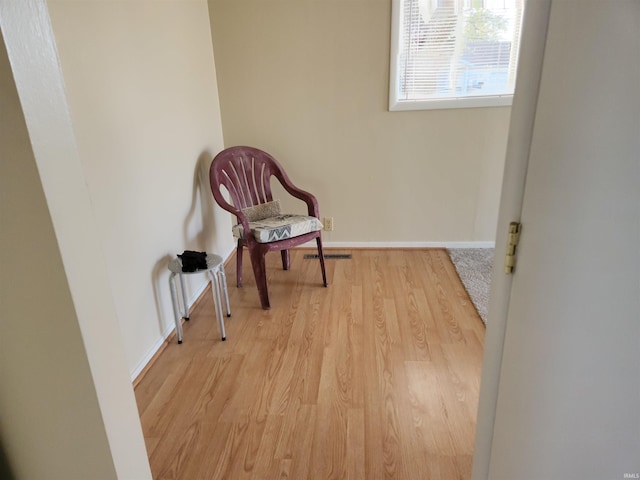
280,227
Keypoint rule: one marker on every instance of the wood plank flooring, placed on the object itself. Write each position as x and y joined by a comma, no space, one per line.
375,377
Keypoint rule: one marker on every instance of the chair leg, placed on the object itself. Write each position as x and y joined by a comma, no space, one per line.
286,261
260,272
239,265
321,256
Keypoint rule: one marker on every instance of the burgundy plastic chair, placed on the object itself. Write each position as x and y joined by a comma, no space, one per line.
245,172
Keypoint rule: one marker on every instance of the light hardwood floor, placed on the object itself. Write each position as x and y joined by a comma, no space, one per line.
375,377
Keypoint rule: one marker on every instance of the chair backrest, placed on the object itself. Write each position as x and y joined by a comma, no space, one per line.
245,172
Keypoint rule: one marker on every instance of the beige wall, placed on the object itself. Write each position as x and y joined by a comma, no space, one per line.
50,421
308,82
140,79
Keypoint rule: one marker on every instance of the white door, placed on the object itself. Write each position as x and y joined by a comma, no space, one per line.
568,396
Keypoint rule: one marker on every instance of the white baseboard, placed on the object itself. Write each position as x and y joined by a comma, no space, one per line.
402,244
454,245
152,351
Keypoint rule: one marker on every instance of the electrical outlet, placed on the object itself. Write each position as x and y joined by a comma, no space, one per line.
328,223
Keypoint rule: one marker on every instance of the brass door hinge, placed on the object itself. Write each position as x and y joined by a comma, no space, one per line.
512,242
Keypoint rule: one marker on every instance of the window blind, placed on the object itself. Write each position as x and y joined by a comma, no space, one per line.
451,49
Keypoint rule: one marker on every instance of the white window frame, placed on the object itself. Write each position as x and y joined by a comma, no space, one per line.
395,104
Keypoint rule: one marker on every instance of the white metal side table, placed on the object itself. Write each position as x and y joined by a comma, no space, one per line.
215,269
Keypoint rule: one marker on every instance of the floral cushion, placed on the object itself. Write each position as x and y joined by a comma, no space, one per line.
279,227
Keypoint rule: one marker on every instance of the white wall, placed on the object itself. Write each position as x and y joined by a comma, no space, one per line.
47,389
561,385
67,408
140,78
308,82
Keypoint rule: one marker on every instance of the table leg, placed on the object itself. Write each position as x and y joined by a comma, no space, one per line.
174,299
184,298
223,284
215,288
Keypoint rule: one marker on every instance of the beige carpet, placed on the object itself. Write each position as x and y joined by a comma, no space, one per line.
474,267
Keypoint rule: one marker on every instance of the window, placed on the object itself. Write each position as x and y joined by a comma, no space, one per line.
454,53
